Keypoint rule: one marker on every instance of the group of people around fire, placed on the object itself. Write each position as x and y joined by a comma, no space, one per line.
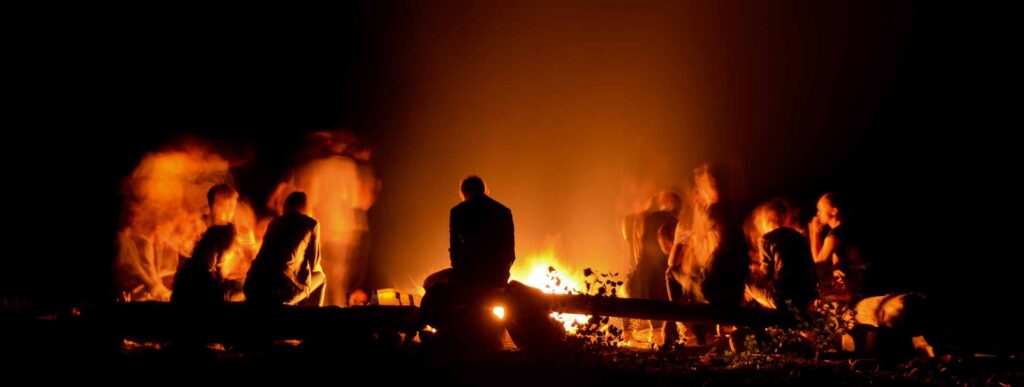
702,250
313,251
714,251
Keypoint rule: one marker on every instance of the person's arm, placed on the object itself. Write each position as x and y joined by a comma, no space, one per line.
762,272
309,269
369,186
313,251
825,253
218,266
679,242
675,257
310,263
824,262
821,248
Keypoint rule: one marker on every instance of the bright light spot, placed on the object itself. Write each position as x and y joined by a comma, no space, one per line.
500,312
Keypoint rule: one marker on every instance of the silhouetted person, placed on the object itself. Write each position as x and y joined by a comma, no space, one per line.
646,279
724,276
786,270
202,279
482,237
482,250
287,268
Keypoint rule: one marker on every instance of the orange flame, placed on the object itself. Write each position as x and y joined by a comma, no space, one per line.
165,210
546,272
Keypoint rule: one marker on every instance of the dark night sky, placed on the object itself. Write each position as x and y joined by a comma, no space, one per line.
900,105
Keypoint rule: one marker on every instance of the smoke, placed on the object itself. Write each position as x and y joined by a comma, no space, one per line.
164,215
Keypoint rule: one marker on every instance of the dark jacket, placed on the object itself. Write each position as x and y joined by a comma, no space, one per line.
482,241
786,259
289,256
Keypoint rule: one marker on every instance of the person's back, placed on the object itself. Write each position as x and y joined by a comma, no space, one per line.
200,281
458,300
287,261
728,267
482,240
285,244
787,261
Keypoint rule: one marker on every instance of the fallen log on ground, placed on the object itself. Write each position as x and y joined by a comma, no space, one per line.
239,321
652,309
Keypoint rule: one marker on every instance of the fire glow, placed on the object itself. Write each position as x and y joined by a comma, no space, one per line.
545,271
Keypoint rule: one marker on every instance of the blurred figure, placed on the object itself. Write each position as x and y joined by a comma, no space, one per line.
368,187
649,260
786,270
204,279
138,274
708,262
647,270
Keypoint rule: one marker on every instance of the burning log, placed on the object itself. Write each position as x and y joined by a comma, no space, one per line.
529,308
666,311
649,309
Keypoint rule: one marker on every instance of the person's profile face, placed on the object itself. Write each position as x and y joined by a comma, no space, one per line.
826,213
224,209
